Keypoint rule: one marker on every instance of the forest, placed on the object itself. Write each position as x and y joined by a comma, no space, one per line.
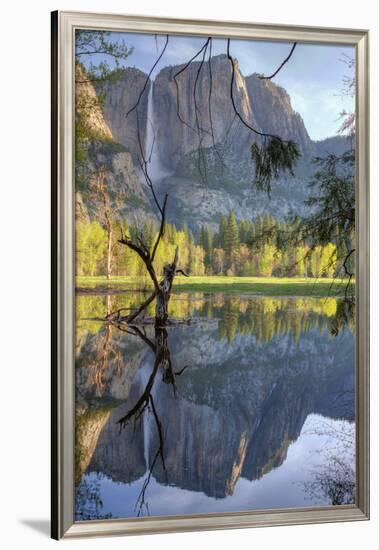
264,247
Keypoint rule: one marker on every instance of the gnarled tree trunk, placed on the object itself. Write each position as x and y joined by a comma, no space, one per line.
164,294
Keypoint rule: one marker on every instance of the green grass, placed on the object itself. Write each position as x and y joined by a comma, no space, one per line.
273,286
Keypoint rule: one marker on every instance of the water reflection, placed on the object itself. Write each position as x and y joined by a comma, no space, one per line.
210,412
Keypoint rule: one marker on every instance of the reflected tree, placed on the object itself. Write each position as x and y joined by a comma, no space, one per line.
334,480
88,503
145,402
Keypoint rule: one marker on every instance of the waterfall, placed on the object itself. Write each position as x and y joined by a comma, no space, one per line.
155,169
146,437
144,375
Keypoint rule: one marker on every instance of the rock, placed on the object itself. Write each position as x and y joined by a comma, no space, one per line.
103,150
204,176
119,97
88,107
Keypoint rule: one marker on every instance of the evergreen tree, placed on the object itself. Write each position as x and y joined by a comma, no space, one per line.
207,246
215,241
250,233
258,230
231,241
266,228
222,231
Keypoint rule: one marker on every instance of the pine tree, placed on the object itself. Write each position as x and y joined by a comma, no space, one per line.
250,233
231,240
201,236
215,241
266,228
222,231
207,245
258,230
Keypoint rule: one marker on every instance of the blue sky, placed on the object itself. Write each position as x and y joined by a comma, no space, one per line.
312,77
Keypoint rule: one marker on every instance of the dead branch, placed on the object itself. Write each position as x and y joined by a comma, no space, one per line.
210,105
141,308
161,228
145,257
231,93
143,400
184,68
262,77
148,79
182,272
198,117
159,429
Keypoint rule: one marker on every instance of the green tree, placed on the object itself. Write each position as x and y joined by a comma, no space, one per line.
90,248
218,261
231,241
257,232
266,260
207,246
266,228
222,231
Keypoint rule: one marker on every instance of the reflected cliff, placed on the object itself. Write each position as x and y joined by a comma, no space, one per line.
211,410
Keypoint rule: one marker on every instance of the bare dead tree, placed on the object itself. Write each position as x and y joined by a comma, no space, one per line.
270,158
105,352
106,212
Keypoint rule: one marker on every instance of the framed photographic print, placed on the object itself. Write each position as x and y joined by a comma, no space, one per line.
210,275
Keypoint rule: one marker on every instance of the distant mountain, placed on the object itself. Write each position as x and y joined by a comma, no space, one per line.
208,175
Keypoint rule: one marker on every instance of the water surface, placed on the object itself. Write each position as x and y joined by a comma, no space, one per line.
250,407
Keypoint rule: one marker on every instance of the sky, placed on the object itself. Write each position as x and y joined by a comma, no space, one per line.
282,487
313,76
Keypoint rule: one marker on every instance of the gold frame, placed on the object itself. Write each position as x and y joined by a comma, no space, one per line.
63,294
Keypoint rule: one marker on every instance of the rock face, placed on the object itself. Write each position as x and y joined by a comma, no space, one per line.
105,151
122,181
88,106
120,96
121,453
263,105
105,377
178,113
272,107
209,107
88,426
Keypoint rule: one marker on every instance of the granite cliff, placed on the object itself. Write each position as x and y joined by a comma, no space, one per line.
199,143
103,149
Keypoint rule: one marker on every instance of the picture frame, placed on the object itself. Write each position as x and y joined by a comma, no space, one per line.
63,524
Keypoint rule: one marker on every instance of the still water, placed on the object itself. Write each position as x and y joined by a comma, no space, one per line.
248,406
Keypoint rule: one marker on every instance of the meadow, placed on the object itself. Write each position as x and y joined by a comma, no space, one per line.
271,286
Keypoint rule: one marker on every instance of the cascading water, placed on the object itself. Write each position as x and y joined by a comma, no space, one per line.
146,437
155,169
144,375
